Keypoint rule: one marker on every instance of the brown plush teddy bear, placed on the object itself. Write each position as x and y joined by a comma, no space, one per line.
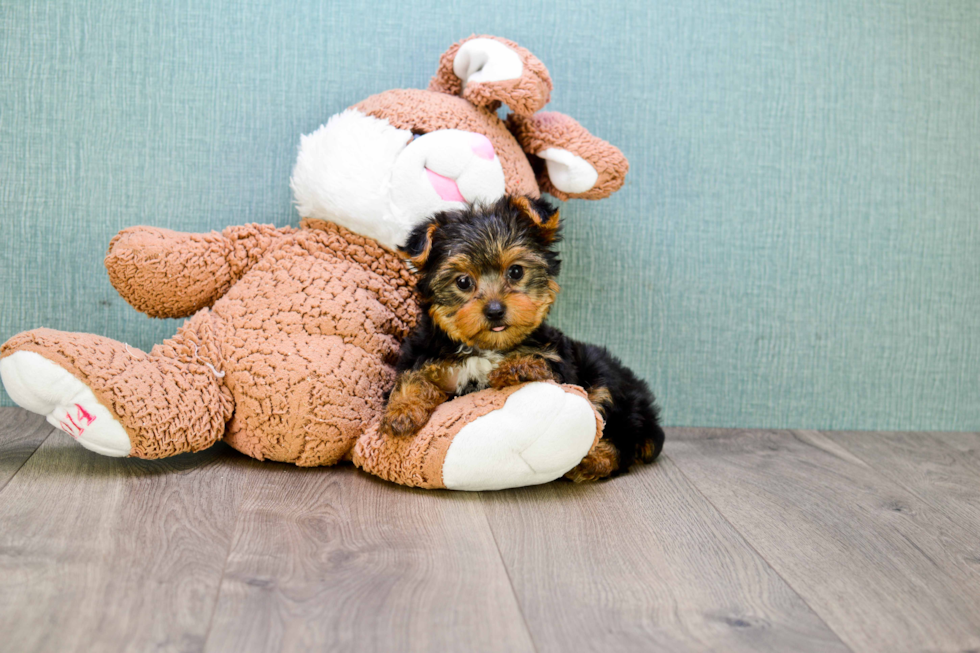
293,332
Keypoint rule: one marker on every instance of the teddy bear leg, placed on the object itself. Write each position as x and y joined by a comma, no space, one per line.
522,435
117,400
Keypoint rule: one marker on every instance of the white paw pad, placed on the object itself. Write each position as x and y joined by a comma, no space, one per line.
539,434
42,387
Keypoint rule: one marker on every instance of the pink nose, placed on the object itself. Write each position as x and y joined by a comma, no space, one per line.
482,146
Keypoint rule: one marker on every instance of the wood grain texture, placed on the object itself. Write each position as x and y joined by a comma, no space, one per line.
107,554
332,559
21,433
733,541
643,563
882,567
942,469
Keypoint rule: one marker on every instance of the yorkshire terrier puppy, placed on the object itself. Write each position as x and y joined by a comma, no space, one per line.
487,281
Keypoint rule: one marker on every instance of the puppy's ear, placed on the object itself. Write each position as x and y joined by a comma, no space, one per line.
416,251
541,213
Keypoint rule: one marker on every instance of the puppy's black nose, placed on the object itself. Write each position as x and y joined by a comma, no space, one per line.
494,310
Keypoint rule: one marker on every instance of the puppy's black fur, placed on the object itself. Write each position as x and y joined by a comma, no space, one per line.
461,320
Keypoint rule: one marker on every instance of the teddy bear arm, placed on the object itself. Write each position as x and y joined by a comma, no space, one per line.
166,273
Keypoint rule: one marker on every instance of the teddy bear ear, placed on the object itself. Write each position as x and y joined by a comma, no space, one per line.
488,71
572,163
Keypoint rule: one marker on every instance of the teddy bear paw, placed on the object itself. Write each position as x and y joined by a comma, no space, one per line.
538,435
42,387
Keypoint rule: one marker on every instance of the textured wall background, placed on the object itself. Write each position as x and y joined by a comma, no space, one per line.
797,245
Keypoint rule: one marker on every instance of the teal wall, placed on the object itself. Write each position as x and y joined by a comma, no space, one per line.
797,244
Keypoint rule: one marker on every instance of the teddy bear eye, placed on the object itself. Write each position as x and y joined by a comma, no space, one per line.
515,272
464,282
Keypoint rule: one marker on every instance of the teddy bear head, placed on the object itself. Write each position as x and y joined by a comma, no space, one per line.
387,163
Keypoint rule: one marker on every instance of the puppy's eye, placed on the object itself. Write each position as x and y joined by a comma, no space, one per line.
464,282
515,272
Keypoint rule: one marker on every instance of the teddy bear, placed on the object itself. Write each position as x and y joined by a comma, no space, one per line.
293,332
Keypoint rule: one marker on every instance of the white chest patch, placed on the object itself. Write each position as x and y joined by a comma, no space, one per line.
471,374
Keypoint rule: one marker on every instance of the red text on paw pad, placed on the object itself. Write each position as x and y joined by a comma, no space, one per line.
76,426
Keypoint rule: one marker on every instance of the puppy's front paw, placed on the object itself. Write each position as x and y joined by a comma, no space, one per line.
402,419
519,370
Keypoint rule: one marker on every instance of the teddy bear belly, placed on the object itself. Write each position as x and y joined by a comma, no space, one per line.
312,296
307,350
302,399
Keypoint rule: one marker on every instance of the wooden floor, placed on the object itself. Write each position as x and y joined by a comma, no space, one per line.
733,541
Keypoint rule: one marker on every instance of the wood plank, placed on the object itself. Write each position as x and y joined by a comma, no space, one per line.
882,568
21,433
643,563
967,444
104,554
942,469
335,560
